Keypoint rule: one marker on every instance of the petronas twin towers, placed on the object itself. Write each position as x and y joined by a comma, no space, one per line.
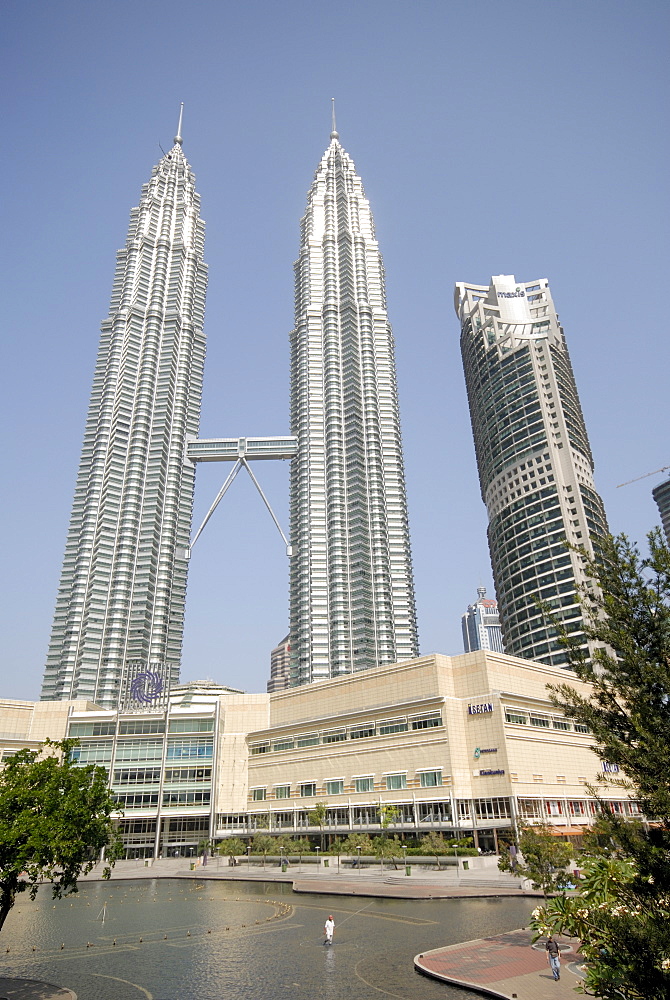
120,607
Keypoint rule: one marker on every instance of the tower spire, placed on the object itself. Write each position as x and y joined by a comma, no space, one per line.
334,133
178,138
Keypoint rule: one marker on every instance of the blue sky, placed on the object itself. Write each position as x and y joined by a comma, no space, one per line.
520,137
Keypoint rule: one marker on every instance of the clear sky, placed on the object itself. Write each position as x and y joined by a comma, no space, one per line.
525,137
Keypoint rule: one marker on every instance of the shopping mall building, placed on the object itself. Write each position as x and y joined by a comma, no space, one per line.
467,745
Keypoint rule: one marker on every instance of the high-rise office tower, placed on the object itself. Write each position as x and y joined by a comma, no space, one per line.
481,625
123,586
280,667
661,495
351,587
534,459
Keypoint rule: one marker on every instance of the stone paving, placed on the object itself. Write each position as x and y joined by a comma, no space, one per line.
505,966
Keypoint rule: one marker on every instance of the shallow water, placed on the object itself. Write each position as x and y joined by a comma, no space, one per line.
198,940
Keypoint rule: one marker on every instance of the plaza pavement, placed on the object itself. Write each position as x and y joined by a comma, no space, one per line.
506,966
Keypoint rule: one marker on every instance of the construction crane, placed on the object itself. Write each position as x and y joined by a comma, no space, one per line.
637,478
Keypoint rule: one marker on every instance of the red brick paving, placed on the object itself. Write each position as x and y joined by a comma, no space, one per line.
504,966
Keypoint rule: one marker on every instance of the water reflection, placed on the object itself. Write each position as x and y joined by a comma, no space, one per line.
173,939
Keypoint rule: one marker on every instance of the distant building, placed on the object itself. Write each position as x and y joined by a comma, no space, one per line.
534,460
481,625
661,495
280,666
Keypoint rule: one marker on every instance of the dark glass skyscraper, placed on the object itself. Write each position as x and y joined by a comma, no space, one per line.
533,456
661,495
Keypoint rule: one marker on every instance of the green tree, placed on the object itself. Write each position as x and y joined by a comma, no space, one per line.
434,844
628,710
624,937
626,933
263,844
233,847
355,840
205,845
387,815
285,845
387,847
55,819
545,858
317,817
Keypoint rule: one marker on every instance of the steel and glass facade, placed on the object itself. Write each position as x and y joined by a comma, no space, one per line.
351,587
533,456
161,768
123,585
661,495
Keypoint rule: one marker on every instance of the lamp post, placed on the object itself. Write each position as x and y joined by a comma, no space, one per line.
404,856
359,858
248,855
317,849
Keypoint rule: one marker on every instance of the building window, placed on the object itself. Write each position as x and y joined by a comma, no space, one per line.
427,721
308,789
97,753
516,717
184,749
579,728
311,740
192,798
257,748
93,729
191,726
282,791
393,726
283,745
539,720
258,794
362,732
396,781
561,724
337,737
335,787
430,779
137,750
364,784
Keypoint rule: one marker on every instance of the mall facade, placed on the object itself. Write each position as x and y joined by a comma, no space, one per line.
465,745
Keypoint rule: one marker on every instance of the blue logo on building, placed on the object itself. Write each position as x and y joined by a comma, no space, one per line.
146,687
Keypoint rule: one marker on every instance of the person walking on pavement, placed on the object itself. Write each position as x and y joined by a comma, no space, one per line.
553,954
329,930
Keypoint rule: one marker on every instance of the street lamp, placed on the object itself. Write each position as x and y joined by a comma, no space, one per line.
248,855
358,848
404,856
317,849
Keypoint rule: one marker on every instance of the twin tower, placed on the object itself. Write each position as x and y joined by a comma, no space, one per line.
119,619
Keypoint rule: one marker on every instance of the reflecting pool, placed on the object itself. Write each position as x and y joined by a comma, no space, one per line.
174,939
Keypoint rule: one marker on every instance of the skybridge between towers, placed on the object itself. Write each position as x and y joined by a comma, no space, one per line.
241,451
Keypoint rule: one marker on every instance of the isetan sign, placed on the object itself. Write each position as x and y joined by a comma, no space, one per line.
482,709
